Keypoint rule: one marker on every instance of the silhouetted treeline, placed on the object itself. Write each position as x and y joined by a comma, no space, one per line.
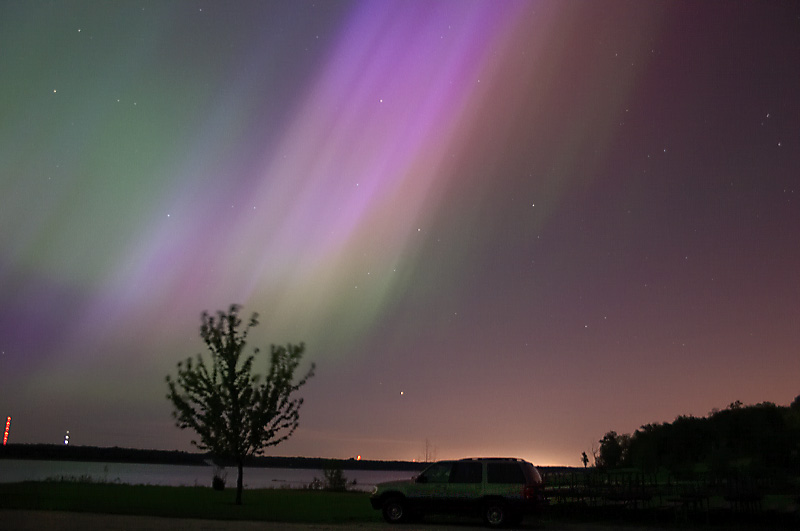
739,438
55,452
61,452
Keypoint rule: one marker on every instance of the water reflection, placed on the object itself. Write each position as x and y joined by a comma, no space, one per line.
16,470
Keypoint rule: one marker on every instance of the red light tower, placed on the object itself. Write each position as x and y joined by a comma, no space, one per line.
8,427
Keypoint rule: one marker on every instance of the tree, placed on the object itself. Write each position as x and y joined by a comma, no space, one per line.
795,405
429,454
612,450
335,479
236,413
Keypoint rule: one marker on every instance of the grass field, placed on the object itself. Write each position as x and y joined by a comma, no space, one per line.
322,507
277,505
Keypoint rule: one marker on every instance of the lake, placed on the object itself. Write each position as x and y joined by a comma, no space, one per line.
16,470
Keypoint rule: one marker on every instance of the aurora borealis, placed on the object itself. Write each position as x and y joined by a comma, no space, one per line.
505,227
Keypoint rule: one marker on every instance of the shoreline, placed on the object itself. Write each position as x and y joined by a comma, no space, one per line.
54,452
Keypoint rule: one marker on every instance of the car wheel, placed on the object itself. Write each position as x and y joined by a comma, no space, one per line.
394,510
495,514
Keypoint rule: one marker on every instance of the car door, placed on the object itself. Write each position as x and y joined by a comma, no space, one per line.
430,488
505,479
464,488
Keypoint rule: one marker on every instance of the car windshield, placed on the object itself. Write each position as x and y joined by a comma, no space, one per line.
437,473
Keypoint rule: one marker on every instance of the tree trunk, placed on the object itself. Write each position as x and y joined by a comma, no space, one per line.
239,483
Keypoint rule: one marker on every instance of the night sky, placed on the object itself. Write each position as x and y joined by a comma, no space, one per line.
504,227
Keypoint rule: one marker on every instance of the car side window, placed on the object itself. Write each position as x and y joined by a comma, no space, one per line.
504,473
466,472
437,473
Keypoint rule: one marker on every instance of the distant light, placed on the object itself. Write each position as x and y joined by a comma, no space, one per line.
8,427
358,458
66,438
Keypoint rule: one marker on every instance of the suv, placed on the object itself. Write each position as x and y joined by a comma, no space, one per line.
502,490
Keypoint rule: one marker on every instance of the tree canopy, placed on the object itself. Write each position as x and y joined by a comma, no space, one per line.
757,437
236,413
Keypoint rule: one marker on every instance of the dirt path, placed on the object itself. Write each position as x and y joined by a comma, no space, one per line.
14,520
